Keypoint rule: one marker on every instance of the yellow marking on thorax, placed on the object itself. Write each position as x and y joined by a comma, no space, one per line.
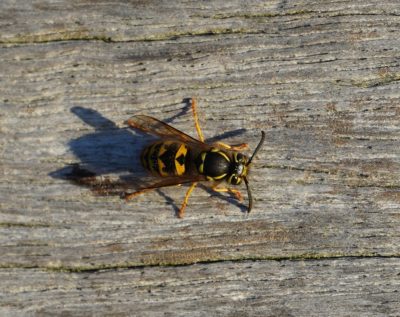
201,166
221,152
215,178
220,176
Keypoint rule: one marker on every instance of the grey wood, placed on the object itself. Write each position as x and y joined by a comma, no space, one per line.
345,287
320,78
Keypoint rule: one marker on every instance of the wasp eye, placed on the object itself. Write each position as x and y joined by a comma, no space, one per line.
240,158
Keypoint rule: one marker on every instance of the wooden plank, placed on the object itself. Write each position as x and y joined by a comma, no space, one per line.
321,78
340,287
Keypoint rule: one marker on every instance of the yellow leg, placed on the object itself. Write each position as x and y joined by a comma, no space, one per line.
133,195
196,120
181,211
234,192
236,147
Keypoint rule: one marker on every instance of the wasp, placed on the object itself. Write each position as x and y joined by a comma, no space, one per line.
177,158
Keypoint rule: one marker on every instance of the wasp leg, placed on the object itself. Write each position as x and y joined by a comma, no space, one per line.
181,211
196,120
235,147
232,191
139,192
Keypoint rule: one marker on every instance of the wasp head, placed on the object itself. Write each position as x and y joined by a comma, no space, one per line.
240,168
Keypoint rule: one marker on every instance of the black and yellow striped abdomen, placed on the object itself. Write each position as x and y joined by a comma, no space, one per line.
166,158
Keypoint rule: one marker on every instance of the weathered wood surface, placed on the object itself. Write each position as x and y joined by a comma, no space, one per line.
321,78
339,287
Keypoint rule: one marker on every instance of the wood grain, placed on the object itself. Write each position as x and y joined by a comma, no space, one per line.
321,78
345,287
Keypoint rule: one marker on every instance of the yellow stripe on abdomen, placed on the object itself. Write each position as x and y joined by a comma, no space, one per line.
180,159
166,158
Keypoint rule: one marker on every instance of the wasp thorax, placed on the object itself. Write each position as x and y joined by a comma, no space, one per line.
214,164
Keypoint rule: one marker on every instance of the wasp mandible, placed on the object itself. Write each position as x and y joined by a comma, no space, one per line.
177,158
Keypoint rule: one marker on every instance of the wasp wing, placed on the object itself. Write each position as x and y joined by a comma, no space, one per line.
161,129
167,181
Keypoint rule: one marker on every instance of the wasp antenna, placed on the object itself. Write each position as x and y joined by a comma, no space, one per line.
258,147
250,197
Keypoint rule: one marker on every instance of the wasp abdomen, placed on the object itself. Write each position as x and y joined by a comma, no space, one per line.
166,158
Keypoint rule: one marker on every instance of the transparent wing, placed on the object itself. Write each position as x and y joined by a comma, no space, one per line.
169,181
161,129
